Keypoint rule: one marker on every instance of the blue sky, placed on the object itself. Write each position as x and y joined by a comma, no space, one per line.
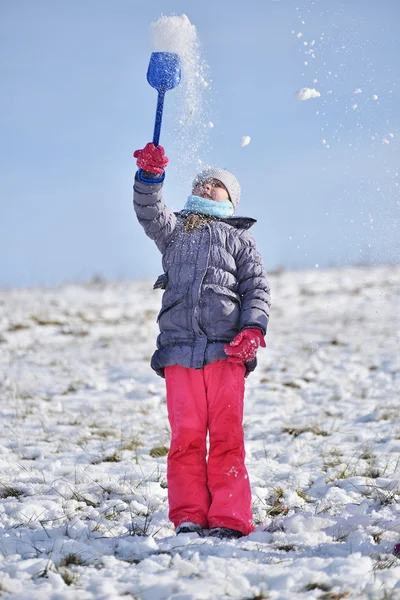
75,104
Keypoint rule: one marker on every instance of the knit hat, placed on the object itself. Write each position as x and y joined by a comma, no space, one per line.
229,181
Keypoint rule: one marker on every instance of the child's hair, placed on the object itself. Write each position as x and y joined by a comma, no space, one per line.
229,181
195,221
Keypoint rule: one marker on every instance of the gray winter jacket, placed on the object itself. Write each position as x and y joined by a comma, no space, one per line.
215,284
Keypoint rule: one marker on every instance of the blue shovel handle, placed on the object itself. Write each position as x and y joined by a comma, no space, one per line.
159,114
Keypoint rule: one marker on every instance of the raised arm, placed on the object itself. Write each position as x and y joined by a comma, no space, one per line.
157,220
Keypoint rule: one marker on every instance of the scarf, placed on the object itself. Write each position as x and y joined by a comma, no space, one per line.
204,206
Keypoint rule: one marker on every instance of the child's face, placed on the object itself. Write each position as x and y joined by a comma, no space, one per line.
212,189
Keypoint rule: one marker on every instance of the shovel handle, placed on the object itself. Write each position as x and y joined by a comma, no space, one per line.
159,114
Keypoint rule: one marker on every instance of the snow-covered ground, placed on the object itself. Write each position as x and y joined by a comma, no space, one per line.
84,433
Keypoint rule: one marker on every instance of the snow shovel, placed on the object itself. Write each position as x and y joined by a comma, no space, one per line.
164,73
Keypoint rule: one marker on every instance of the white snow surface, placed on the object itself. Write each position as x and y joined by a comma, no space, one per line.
307,93
84,428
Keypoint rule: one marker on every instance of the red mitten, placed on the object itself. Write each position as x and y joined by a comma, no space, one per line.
151,159
244,346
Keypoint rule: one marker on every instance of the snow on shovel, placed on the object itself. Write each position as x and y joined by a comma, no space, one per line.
164,73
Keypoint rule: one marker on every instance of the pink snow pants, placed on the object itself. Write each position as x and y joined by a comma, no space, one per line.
214,492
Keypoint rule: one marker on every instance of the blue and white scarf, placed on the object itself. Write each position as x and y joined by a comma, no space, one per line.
204,206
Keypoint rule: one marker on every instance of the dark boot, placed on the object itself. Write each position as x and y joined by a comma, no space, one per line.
190,528
225,533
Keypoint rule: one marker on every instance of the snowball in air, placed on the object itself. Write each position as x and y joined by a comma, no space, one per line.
357,91
374,97
307,94
245,140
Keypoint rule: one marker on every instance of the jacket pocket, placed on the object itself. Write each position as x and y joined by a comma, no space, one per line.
174,310
220,312
223,291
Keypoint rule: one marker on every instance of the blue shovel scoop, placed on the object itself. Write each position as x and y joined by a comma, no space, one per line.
163,74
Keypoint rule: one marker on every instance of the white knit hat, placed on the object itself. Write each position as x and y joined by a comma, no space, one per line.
229,181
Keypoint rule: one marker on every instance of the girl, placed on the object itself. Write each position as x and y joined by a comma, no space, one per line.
214,317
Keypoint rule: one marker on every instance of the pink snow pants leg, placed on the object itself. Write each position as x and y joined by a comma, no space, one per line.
217,493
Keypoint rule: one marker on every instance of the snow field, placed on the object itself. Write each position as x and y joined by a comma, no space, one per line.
84,436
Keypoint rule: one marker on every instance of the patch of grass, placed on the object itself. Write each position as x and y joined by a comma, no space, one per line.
71,559
377,537
389,415
346,469
114,457
140,526
159,451
46,322
74,331
336,342
79,498
72,388
260,596
342,536
367,455
8,491
83,442
334,459
285,547
387,495
277,508
317,586
344,473
372,472
296,431
292,384
103,434
333,596
386,563
132,445
303,495
17,327
68,576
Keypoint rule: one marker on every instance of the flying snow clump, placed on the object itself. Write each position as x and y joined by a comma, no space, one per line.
245,140
177,34
307,94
